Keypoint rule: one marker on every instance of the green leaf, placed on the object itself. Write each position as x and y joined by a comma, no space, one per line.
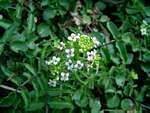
120,80
80,99
130,58
126,37
135,45
5,24
19,9
60,105
30,68
147,10
145,67
6,71
9,33
30,22
115,59
44,2
113,29
8,100
43,30
18,46
100,5
95,105
86,19
100,36
36,88
131,11
26,97
122,50
113,102
49,14
146,56
126,104
106,53
64,3
35,106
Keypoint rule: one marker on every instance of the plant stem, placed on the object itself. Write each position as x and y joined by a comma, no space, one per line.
10,88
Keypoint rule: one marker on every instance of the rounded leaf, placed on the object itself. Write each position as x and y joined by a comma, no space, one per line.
126,104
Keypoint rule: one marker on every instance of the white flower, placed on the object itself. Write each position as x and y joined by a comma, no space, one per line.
143,31
73,37
69,64
55,60
96,42
48,62
61,46
78,65
64,76
52,83
70,52
91,55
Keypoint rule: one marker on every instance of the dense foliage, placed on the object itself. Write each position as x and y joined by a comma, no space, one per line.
67,56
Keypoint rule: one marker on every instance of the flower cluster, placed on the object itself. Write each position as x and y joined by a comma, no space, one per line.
76,54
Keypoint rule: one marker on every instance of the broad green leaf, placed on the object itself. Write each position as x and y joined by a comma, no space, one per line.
9,33
145,67
43,30
120,80
44,2
147,10
146,56
95,105
130,59
126,104
86,19
135,44
35,106
60,105
113,102
113,29
100,36
126,37
115,59
122,50
64,3
104,18
100,5
49,14
80,99
18,46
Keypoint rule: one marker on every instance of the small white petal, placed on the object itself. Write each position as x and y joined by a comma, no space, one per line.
73,35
